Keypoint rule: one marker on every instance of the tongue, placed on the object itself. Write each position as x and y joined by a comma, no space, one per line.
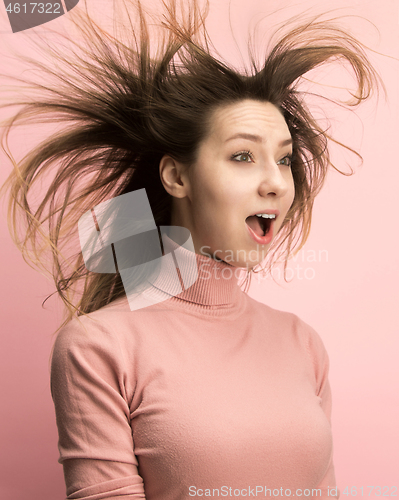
254,223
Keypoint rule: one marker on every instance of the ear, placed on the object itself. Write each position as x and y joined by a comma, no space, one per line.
173,178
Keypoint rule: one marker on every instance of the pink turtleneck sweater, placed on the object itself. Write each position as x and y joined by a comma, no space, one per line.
206,394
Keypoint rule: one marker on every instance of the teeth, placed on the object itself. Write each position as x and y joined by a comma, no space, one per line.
266,216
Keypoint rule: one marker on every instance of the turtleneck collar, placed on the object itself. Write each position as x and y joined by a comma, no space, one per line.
197,282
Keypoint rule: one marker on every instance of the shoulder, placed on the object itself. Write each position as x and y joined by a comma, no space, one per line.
294,333
113,333
293,328
278,318
91,338
83,330
104,325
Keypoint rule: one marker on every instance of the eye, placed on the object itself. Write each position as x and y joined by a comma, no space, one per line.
243,154
287,159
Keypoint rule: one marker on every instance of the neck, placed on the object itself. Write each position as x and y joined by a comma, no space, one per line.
190,280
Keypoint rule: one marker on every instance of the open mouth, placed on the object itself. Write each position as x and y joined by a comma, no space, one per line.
259,225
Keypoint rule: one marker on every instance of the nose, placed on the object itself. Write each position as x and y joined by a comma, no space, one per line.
275,180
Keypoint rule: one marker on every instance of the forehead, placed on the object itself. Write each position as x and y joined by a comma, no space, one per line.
248,116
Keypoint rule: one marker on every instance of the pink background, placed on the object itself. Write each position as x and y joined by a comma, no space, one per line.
349,294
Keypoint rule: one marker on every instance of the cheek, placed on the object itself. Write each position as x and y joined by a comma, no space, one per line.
201,190
210,193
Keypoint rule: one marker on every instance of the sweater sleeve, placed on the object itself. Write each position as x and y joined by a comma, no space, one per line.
321,364
92,410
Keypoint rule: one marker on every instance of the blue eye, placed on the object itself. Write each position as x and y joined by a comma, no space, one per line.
248,155
245,154
288,158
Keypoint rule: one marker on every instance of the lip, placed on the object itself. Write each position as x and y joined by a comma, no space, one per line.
263,240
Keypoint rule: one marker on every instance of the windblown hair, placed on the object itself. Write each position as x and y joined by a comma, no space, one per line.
127,108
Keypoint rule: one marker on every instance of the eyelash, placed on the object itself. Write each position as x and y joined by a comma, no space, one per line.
248,153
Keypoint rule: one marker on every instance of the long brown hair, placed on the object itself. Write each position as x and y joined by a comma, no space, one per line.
128,107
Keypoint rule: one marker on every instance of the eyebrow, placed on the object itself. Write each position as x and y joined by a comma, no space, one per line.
257,138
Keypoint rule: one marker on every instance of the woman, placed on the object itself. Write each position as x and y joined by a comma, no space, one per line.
197,390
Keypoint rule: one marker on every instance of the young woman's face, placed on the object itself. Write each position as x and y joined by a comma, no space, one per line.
243,169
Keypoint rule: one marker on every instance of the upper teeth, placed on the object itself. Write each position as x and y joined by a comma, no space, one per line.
266,216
